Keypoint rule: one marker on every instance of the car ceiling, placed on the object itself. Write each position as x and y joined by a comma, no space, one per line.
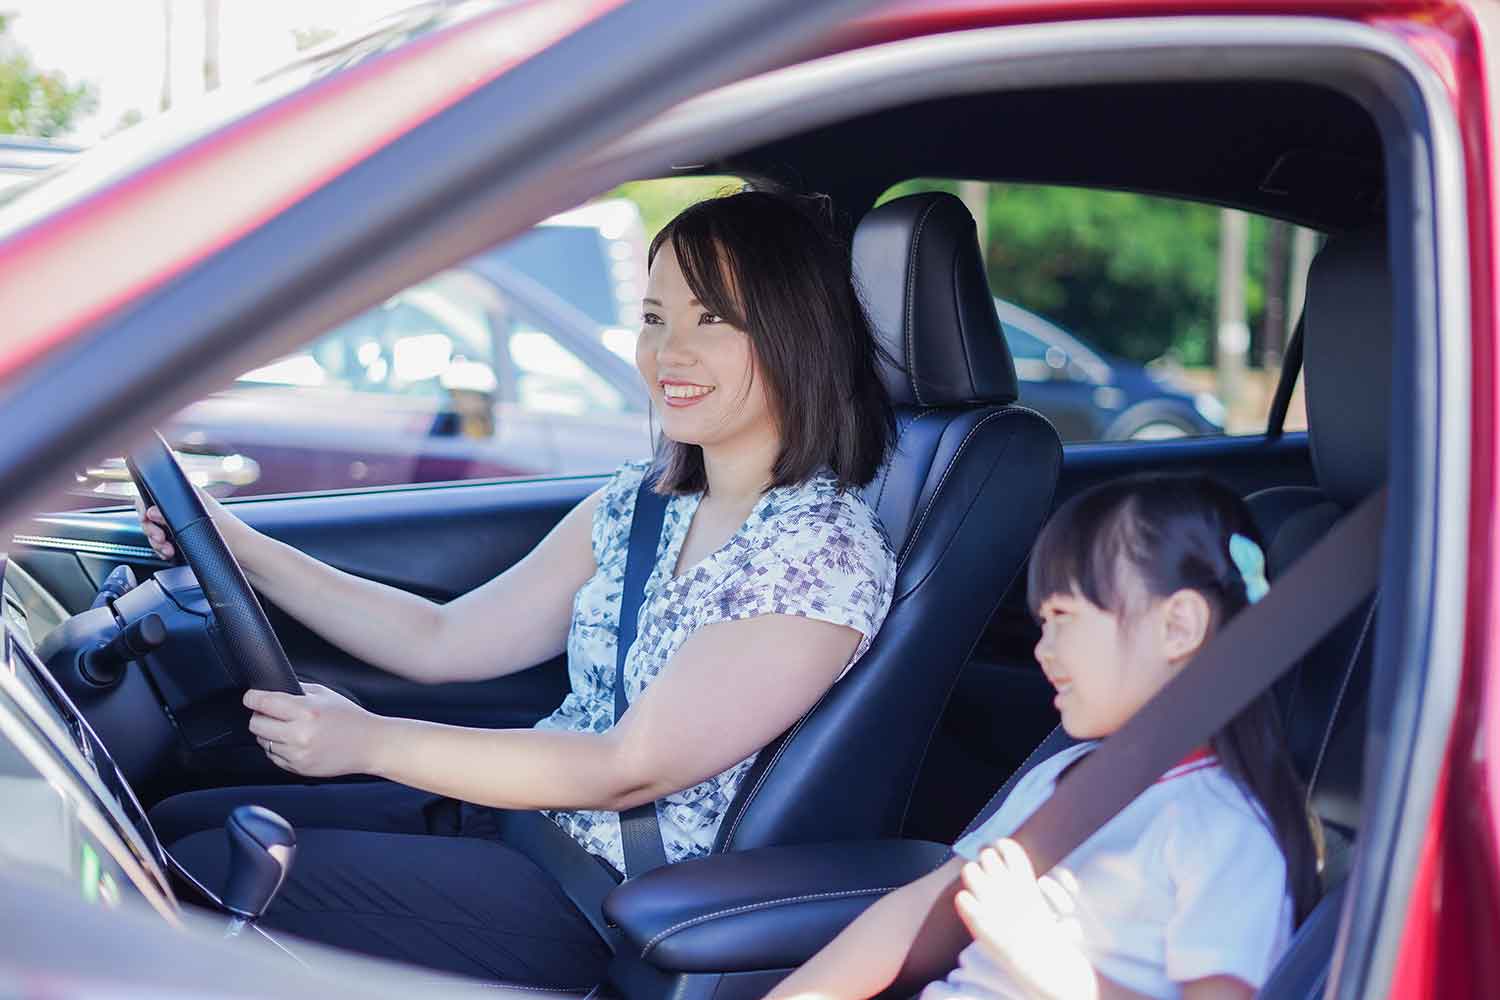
1300,152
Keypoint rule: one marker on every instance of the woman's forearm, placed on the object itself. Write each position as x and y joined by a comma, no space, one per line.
514,768
383,626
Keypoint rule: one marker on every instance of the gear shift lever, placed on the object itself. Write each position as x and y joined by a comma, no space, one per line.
261,848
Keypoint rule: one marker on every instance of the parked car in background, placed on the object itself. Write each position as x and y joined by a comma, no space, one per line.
1091,396
479,372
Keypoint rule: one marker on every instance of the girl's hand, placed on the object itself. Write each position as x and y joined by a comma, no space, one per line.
1025,924
319,734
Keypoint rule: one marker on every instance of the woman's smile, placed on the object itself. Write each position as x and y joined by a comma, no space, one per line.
679,394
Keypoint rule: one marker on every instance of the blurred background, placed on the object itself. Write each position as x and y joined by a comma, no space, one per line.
1129,316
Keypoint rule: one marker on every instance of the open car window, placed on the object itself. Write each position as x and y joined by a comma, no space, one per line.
1109,303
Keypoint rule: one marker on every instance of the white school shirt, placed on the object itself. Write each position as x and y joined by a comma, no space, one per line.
1186,882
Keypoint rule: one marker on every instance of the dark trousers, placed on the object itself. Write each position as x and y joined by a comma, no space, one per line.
400,874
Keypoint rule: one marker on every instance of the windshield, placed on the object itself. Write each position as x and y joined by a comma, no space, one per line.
29,197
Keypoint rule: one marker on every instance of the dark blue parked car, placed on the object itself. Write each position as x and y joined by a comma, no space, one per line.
1090,396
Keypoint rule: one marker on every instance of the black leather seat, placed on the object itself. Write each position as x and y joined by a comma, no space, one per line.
961,496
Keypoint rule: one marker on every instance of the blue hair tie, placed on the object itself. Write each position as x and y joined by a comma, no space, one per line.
1251,562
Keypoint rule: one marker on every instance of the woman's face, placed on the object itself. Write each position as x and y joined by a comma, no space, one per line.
700,370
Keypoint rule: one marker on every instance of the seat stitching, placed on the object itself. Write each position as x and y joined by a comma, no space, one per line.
900,436
497,984
1338,703
911,302
927,509
750,798
759,905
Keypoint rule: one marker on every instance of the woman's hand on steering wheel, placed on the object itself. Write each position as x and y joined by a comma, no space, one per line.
317,734
159,534
155,527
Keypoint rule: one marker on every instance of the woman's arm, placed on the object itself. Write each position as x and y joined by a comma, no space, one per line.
730,689
516,620
913,928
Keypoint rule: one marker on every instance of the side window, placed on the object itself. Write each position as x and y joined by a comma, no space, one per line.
552,379
1111,304
517,363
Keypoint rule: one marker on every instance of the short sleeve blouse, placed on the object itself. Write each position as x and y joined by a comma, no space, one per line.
808,549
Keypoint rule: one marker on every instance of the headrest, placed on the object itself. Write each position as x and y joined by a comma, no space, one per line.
1346,361
918,269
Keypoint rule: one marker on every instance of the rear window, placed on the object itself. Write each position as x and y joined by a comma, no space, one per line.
1122,322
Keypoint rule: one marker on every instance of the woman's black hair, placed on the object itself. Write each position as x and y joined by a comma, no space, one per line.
1172,533
771,265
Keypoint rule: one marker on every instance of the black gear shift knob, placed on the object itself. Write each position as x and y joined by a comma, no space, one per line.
261,848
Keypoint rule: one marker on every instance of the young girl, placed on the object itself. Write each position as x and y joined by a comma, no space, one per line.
1194,888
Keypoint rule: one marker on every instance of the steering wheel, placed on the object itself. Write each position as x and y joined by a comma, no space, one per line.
256,655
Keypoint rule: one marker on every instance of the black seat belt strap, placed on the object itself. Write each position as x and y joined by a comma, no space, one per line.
640,830
1256,647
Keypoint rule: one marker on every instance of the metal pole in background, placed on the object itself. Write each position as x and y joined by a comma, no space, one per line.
166,58
1304,245
210,45
1233,337
976,196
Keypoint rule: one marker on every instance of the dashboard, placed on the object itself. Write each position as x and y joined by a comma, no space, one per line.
69,815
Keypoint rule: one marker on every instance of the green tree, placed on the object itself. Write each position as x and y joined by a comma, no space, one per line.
660,200
34,101
1132,274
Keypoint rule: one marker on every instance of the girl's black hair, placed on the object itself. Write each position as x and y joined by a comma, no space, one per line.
771,265
1172,533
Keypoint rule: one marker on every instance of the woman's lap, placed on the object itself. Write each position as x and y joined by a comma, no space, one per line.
380,806
377,872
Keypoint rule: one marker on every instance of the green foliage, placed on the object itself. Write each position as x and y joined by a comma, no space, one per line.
661,200
1135,275
33,101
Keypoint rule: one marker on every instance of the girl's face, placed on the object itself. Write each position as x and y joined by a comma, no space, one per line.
701,371
1104,665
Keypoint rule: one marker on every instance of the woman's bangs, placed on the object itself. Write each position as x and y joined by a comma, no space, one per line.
709,264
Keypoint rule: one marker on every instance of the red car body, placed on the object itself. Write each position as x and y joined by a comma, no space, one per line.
1448,938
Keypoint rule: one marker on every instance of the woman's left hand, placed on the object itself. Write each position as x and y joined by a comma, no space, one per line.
318,734
1025,924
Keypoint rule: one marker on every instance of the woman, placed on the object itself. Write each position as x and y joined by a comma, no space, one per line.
771,577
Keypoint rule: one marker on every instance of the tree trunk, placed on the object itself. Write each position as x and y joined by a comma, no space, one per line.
1273,323
1233,339
976,195
166,61
1304,244
210,45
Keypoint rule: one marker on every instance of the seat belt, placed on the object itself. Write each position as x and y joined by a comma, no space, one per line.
640,829
1247,656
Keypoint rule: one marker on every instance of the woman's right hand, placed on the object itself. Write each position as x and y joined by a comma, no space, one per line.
154,524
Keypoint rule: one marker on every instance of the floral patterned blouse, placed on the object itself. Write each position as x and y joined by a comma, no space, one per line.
806,550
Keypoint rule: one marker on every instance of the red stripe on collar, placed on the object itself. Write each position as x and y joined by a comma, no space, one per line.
1196,761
